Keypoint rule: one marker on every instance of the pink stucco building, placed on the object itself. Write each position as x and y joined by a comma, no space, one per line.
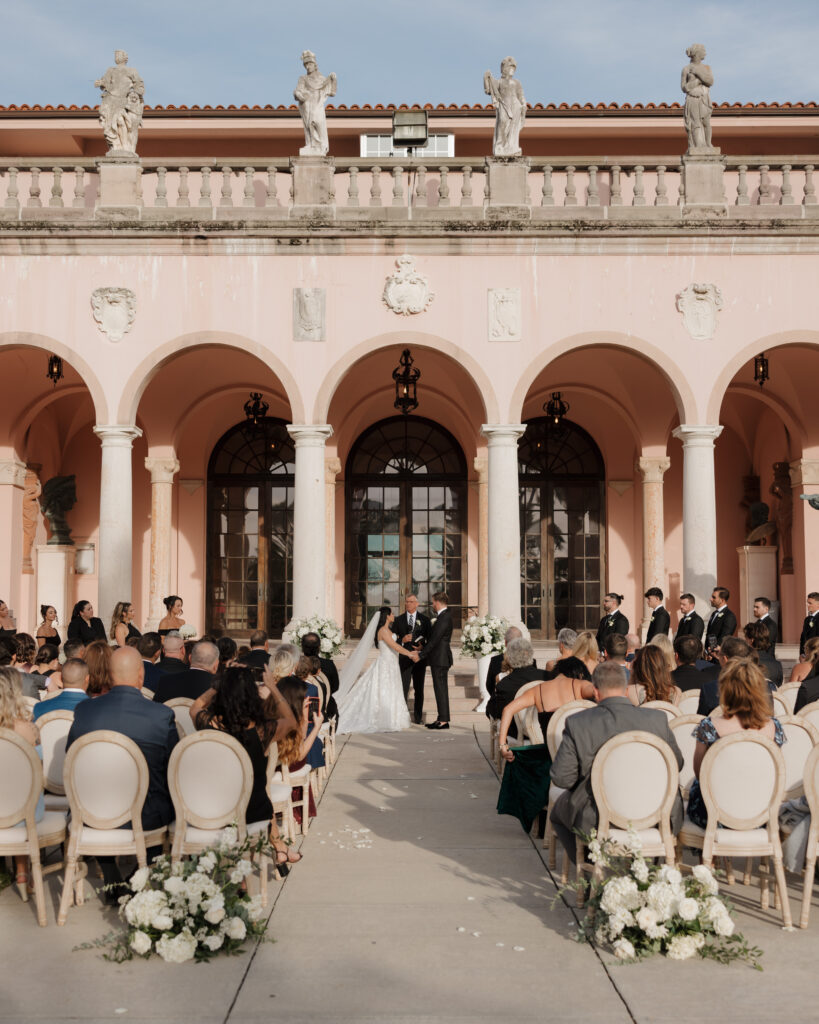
579,283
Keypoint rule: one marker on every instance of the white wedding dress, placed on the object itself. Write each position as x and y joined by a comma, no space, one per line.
373,702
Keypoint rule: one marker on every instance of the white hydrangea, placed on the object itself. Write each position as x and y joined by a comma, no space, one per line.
688,909
207,862
141,943
142,908
639,869
706,879
241,871
623,950
163,921
661,897
683,947
620,919
620,892
326,646
213,942
255,910
139,879
595,851
236,928
175,886
229,838
176,949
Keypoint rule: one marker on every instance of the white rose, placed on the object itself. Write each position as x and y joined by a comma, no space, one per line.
723,925
174,885
215,915
623,950
177,949
214,942
706,879
141,943
688,909
670,875
236,928
646,918
162,922
206,863
139,879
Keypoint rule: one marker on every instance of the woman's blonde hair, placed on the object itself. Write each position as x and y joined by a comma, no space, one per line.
283,661
585,647
650,669
117,618
812,649
743,693
12,706
665,645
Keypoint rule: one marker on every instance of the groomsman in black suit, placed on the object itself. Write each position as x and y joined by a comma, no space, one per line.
810,627
438,654
412,629
613,621
762,612
690,624
723,622
660,619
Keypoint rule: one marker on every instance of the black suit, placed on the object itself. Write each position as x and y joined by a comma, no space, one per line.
438,655
329,669
495,667
807,693
79,629
723,623
170,665
191,684
614,623
687,677
690,625
810,629
771,667
660,623
773,631
507,690
411,670
257,657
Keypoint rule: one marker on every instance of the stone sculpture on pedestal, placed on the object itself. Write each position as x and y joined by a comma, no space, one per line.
311,93
123,94
59,497
697,78
510,105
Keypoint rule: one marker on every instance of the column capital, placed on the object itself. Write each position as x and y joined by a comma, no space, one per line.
117,435
162,468
695,435
481,466
804,473
12,473
505,434
332,467
310,435
653,468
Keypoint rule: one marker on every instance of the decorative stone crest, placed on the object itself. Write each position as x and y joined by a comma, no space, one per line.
114,310
406,291
309,322
699,305
503,307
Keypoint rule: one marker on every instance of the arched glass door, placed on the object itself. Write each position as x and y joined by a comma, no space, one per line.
562,527
251,476
406,518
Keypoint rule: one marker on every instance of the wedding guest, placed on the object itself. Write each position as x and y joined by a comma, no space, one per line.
496,661
84,625
520,659
586,650
173,619
660,621
303,671
691,624
803,669
758,636
73,649
26,651
613,622
15,715
173,654
149,646
551,694
227,652
686,676
8,651
47,631
566,639
616,650
193,682
74,689
241,653
282,663
122,624
722,623
98,658
808,691
650,678
8,626
732,647
46,663
746,706
810,627
633,645
259,655
295,747
319,679
663,643
762,613
311,648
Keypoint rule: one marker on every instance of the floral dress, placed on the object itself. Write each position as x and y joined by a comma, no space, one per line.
707,734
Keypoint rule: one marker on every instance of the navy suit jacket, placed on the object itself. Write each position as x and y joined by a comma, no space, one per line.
151,726
152,674
191,684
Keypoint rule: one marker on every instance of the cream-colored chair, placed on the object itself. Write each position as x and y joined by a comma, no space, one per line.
742,779
787,694
526,722
676,696
147,693
106,779
689,702
811,783
554,734
54,728
181,707
671,710
810,713
301,778
780,707
280,795
802,737
327,733
682,729
30,702
21,783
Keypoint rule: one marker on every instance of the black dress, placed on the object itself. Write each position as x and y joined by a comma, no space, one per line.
132,631
79,629
52,641
259,807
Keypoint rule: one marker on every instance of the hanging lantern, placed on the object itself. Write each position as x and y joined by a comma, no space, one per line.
761,369
406,377
55,369
556,408
255,408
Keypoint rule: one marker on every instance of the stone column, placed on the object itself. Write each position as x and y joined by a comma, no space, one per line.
162,472
652,469
699,512
115,544
482,469
503,519
12,483
332,467
309,519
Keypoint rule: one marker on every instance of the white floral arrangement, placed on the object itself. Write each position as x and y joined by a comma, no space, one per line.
187,631
483,635
639,908
193,909
330,634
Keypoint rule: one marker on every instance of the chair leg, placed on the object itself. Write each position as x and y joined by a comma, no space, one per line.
79,882
764,876
807,889
39,890
746,878
729,870
65,899
782,889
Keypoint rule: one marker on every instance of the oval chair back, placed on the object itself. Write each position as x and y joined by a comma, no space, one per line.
181,707
802,737
682,729
787,694
671,710
526,721
557,723
210,776
21,780
54,728
634,780
689,702
106,780
810,713
742,778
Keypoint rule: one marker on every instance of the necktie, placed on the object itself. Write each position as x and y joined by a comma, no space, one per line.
412,623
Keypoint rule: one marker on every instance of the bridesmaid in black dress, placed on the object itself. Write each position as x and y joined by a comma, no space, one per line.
46,631
8,627
122,626
173,619
84,625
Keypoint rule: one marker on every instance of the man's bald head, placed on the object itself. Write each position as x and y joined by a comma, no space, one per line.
127,668
205,656
173,646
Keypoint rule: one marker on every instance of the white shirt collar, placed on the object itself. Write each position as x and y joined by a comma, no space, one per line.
73,689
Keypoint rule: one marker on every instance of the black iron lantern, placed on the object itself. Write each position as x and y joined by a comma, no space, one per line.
55,369
556,408
255,408
406,377
761,369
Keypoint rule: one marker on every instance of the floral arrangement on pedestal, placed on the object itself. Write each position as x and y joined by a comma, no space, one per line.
330,634
639,908
187,631
483,635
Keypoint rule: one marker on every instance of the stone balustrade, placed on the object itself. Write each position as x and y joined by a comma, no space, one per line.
555,189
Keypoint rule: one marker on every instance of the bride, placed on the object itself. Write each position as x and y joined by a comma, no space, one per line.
375,701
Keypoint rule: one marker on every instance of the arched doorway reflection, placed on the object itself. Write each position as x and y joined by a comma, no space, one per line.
251,478
406,518
562,527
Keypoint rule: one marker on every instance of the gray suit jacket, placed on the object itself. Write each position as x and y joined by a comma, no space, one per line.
585,734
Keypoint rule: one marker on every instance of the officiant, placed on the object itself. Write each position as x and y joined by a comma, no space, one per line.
413,629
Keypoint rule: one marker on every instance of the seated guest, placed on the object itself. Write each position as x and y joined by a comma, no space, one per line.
585,733
173,655
194,681
311,648
8,652
732,647
98,658
84,625
496,661
686,676
227,652
746,706
758,636
73,649
808,691
802,669
566,639
663,643
242,652
585,651
151,726
573,684
650,679
616,649
149,646
74,690
27,651
520,659
46,663
122,624
259,655
282,663
318,678
303,671
633,645
295,746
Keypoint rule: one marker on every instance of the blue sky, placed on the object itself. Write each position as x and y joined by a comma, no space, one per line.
214,51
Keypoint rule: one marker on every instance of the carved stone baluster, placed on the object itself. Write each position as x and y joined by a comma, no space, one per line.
421,187
810,189
161,187
397,186
786,199
443,188
466,186
375,186
79,188
271,198
12,193
639,197
34,188
616,194
249,195
681,194
184,196
742,186
661,192
486,188
205,198
547,194
352,188
57,187
227,192
570,199
593,192
764,185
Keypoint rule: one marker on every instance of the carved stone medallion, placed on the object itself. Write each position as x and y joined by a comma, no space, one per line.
699,305
503,310
114,310
308,314
406,291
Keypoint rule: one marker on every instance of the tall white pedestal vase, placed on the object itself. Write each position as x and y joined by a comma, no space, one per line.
482,637
482,676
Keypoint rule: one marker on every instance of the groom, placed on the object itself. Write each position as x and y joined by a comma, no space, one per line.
412,629
438,655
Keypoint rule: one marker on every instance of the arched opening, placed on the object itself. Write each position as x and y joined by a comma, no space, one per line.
406,518
562,527
251,480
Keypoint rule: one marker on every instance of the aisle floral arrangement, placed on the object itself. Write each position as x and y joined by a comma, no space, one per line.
331,635
483,635
639,908
191,910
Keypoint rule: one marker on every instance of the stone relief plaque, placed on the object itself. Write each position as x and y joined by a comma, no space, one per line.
114,310
503,308
699,305
406,291
309,317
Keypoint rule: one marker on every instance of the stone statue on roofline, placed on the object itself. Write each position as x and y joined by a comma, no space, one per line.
123,96
312,92
696,81
510,106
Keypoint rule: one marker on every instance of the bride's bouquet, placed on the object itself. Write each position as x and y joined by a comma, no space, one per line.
330,634
483,635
